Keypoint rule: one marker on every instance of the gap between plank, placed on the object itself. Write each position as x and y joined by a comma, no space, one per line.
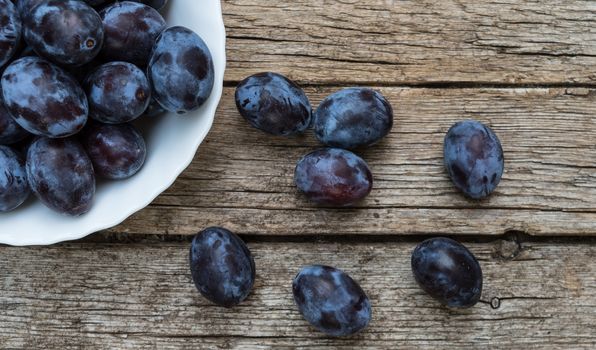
438,85
513,236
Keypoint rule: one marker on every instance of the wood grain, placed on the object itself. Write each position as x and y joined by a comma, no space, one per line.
243,178
125,296
414,41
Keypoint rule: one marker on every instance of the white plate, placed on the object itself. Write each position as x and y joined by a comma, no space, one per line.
172,142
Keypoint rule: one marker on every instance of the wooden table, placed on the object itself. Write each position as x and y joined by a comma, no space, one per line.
527,68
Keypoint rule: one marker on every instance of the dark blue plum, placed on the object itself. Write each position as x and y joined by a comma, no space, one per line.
10,131
14,188
331,301
157,4
61,175
43,98
272,103
10,35
333,176
222,267
116,151
181,70
67,32
130,32
118,92
352,118
448,272
473,158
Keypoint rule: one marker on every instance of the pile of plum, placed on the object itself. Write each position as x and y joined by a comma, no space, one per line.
221,264
75,74
350,120
346,120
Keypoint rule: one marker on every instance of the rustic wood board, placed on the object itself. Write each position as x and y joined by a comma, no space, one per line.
124,296
414,41
243,178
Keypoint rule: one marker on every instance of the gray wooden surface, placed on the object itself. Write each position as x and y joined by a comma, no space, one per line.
414,41
243,178
140,295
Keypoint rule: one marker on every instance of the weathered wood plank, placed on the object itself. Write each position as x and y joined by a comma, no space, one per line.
244,178
124,296
414,41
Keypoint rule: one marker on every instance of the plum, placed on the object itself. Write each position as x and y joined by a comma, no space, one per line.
331,301
272,103
448,272
130,31
61,175
353,118
10,35
44,99
181,70
222,266
118,92
14,187
333,176
116,151
473,158
67,32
